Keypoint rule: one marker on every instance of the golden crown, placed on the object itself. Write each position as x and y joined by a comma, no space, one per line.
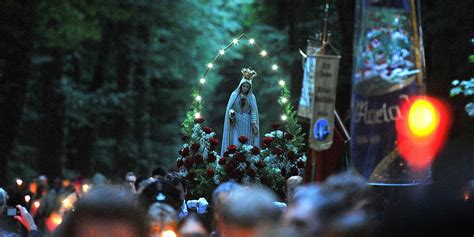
248,73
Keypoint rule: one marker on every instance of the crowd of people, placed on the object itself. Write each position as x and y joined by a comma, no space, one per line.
157,206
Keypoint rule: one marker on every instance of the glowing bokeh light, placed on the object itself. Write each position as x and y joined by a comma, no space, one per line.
422,130
422,118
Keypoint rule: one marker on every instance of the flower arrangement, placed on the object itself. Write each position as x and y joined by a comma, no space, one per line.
198,159
204,169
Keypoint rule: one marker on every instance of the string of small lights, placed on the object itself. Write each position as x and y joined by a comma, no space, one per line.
262,52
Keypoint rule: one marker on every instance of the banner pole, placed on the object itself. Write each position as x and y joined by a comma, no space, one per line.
313,165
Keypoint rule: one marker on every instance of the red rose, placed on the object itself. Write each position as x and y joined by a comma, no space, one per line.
260,164
213,141
267,140
300,164
199,120
275,126
277,151
243,139
188,163
226,154
222,161
231,149
237,174
289,136
292,156
184,138
283,171
240,157
250,172
210,172
229,167
179,163
207,130
191,175
211,157
195,146
255,151
184,152
293,171
198,159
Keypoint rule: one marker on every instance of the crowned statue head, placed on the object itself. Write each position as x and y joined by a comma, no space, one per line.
247,77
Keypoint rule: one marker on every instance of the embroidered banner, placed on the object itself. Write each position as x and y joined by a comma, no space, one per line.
324,100
388,68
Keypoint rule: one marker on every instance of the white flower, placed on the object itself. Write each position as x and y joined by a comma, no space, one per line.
254,158
242,166
217,179
247,147
269,135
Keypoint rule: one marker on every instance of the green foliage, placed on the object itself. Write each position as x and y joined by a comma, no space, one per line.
465,87
291,124
196,107
130,70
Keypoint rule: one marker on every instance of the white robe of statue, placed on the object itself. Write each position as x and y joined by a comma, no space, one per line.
240,115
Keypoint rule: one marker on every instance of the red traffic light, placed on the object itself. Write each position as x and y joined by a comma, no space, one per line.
422,130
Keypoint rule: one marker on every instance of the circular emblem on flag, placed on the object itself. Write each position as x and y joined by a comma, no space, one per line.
321,129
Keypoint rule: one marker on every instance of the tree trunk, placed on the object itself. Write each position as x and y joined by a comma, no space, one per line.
15,53
84,138
52,122
139,87
123,63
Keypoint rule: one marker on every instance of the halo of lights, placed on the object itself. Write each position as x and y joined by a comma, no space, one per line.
263,53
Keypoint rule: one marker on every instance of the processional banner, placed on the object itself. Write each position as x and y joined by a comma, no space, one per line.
388,68
324,100
307,87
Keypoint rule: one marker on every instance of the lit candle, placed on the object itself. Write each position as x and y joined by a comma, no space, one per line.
86,188
168,233
27,198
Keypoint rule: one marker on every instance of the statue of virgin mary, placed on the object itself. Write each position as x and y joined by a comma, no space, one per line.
241,115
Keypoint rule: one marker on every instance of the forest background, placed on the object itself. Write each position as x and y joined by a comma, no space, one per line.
103,86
